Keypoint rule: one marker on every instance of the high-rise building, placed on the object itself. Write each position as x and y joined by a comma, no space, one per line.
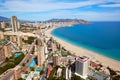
3,24
5,50
81,66
14,23
53,47
40,56
18,25
19,41
56,59
68,73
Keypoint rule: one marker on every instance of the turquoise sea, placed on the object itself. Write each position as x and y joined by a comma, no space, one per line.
101,37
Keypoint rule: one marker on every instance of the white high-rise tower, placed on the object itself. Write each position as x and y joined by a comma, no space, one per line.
81,66
14,23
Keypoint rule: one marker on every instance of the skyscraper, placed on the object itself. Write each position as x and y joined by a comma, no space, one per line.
14,23
40,56
81,66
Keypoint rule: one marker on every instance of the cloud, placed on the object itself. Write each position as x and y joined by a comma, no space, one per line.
45,5
87,15
36,5
46,9
110,5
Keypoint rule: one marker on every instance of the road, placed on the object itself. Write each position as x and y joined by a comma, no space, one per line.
11,72
28,54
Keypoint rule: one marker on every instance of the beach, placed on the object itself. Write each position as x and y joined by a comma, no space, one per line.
80,51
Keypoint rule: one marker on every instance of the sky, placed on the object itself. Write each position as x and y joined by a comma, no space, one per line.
40,10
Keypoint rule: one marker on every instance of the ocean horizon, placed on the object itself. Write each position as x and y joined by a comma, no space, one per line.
100,37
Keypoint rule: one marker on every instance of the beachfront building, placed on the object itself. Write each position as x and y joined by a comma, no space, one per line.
81,66
14,23
98,75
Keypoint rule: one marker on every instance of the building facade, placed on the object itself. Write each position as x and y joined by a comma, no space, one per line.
2,56
81,65
14,23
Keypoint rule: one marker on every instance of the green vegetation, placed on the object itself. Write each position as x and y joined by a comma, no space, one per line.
23,64
91,78
19,59
75,77
2,42
1,29
112,72
32,68
52,77
21,79
116,77
26,72
11,62
29,41
33,51
41,72
7,37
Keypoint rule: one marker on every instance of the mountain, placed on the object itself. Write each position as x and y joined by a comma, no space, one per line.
4,18
8,19
81,21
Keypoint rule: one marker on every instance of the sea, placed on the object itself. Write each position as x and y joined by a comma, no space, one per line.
100,37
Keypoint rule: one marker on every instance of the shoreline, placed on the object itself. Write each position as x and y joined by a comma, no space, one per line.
81,51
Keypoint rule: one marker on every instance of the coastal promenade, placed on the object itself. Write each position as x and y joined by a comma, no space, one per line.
80,51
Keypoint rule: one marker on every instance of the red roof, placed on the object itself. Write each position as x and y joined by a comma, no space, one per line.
49,70
93,64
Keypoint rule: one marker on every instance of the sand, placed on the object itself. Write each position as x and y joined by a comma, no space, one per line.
80,51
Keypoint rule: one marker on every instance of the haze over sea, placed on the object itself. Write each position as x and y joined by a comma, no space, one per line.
100,37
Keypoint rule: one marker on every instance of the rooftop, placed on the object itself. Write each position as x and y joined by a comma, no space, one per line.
82,59
98,75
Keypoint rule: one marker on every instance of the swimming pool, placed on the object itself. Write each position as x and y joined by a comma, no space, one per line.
17,54
33,62
38,69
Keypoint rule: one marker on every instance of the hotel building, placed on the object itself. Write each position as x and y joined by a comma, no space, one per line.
81,66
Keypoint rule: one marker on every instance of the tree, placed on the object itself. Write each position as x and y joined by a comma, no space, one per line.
112,72
7,59
41,72
23,64
21,79
75,77
32,68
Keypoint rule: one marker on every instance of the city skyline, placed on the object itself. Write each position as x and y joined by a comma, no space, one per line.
36,10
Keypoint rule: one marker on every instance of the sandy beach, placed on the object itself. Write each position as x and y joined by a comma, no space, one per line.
80,51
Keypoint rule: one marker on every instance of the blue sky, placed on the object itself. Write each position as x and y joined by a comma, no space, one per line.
40,10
